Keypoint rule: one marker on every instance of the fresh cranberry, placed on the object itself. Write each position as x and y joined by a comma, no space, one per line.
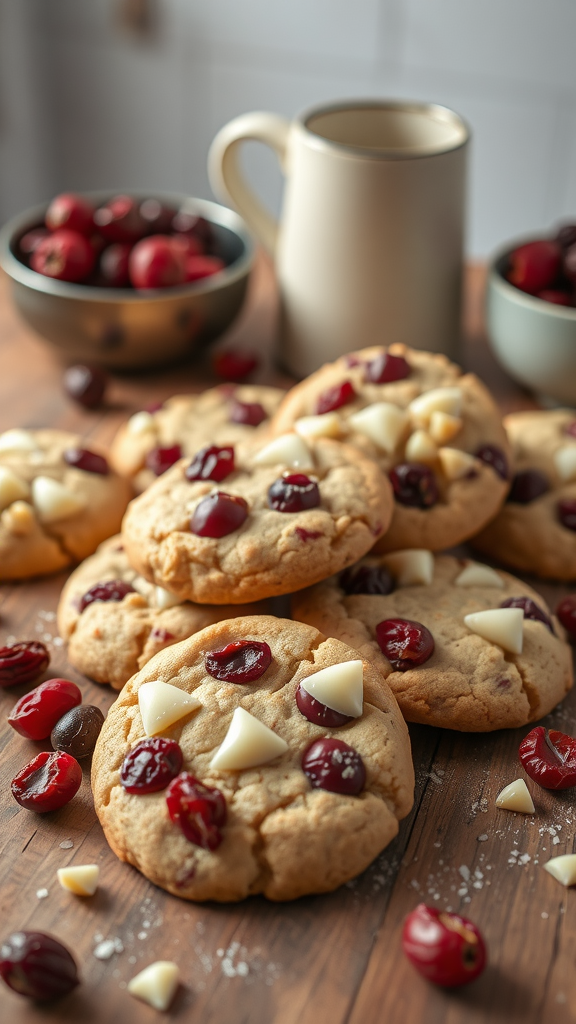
47,782
569,263
252,414
386,368
157,217
218,515
160,459
151,765
120,220
318,713
530,609
65,255
189,245
70,211
549,758
198,267
444,947
405,643
111,590
31,240
535,265
242,661
493,456
567,513
333,765
156,263
566,235
556,296
23,662
527,486
566,612
293,492
199,810
335,397
366,579
211,463
37,965
85,384
36,713
113,265
187,223
414,484
234,364
89,462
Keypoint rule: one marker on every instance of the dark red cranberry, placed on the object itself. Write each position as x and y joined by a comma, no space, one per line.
293,492
556,296
386,368
567,513
414,484
566,612
161,635
36,713
530,609
186,223
305,535
77,731
333,765
23,662
242,661
199,810
37,965
444,947
527,486
120,220
47,782
156,263
85,384
234,364
566,235
218,515
111,590
569,263
70,211
335,397
151,765
318,713
157,217
493,456
113,265
65,255
535,265
160,459
211,463
189,245
31,240
366,579
198,267
250,413
89,462
549,758
405,643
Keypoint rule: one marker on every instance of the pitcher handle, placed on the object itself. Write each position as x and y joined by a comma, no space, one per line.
226,176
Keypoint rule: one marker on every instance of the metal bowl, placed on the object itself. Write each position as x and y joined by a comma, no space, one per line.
125,329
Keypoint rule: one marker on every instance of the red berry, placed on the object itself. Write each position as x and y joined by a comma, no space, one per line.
405,643
294,492
242,661
535,265
530,609
306,535
66,255
157,217
566,235
570,429
23,662
569,263
47,782
191,224
151,765
335,397
566,508
333,765
85,384
527,486
218,515
120,220
199,810
318,713
566,612
37,965
89,462
111,590
113,265
235,365
161,635
36,713
160,459
555,295
493,456
189,245
414,484
31,240
70,211
156,263
549,758
444,947
250,413
198,267
366,579
386,368
211,463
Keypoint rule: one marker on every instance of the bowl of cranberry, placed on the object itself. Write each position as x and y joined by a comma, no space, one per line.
531,313
127,281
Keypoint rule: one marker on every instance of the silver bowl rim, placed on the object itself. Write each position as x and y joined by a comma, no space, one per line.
214,212
520,298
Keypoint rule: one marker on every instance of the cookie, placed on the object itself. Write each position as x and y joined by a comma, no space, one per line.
114,630
433,429
261,823
58,501
241,524
456,673
151,442
535,530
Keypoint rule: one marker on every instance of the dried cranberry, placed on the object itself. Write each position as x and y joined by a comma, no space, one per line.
151,765
405,643
111,590
493,456
530,609
161,635
156,263
250,413
90,462
199,810
242,661
70,211
235,365
318,713
534,266
566,612
549,758
570,429
198,267
47,782
333,765
444,947
77,731
527,486
366,579
218,515
85,384
160,459
306,535
36,713
567,513
158,218
120,220
386,368
37,965
293,492
335,397
65,255
211,463
23,662
113,265
414,484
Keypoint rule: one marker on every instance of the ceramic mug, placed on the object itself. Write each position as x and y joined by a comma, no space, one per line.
370,242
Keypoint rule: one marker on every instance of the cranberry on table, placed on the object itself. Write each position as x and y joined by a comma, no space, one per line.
386,368
443,946
293,492
252,414
89,462
37,965
535,265
335,397
318,713
120,220
234,364
151,765
530,609
86,384
36,713
242,661
160,459
198,267
566,612
199,810
414,484
549,758
366,579
211,463
157,217
493,456
23,662
566,509
110,590
527,486
113,265
218,515
65,255
405,643
76,732
47,782
69,210
156,263
334,765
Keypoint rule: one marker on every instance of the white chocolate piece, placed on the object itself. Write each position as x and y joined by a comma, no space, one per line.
164,599
17,441
12,487
420,447
18,518
565,462
162,704
141,423
81,879
438,400
443,426
563,869
53,500
502,626
288,450
477,575
156,984
327,425
339,687
516,797
455,463
411,567
141,586
247,744
383,423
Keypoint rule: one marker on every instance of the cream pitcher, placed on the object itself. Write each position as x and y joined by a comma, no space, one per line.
369,246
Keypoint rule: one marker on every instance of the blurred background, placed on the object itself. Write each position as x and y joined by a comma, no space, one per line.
114,94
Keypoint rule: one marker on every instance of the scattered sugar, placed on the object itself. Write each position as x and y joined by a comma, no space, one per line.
544,915
67,844
483,838
42,894
142,935
465,872
104,950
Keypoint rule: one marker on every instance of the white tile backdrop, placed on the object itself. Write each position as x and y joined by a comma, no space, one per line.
85,105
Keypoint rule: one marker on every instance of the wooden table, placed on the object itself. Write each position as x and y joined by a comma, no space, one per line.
322,960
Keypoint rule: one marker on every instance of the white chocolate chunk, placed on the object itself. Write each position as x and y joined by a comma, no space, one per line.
17,441
53,500
162,704
438,400
411,567
164,599
141,423
339,687
384,423
502,626
563,869
288,450
12,487
565,462
443,426
327,425
81,879
477,575
455,463
156,984
420,447
141,586
247,744
516,797
19,518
